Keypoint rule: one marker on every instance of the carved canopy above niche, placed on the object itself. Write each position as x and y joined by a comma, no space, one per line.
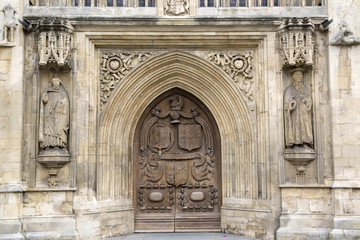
55,42
297,41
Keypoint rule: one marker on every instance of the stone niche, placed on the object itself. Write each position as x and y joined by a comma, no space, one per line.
54,42
297,45
49,136
299,153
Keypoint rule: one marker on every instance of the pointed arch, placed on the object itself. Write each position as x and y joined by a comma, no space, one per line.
158,75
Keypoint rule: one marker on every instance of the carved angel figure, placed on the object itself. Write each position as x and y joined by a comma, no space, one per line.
54,116
297,112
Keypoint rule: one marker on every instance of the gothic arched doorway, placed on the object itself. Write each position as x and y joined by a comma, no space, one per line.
177,166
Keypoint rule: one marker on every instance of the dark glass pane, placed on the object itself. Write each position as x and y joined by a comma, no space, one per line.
87,3
242,3
211,3
232,3
202,3
276,2
264,3
151,3
119,3
109,3
141,3
95,3
296,3
76,3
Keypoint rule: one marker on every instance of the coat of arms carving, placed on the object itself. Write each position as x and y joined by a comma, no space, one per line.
177,7
189,136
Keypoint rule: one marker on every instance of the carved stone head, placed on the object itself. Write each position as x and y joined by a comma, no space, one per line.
297,76
56,82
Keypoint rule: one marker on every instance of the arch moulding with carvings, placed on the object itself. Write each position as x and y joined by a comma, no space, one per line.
137,90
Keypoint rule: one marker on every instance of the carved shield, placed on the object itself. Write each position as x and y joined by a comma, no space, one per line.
181,174
160,137
177,172
176,7
189,136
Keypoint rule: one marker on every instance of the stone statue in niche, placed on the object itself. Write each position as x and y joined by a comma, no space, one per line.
10,24
299,138
297,113
54,119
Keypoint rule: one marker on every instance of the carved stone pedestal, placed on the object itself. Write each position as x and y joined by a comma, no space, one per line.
53,161
299,157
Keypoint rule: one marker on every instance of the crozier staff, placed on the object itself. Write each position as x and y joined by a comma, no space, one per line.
54,116
297,112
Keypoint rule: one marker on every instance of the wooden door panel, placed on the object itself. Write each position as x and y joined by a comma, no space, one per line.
176,167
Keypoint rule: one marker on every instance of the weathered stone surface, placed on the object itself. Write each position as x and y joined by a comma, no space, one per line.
227,57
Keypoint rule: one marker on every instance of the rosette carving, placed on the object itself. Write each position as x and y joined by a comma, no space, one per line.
114,67
239,67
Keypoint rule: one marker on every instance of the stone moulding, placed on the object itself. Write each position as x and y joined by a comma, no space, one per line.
238,66
197,76
297,41
114,67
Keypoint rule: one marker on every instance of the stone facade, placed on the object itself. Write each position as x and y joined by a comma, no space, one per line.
88,71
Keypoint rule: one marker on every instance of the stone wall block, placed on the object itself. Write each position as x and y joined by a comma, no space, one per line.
9,227
57,196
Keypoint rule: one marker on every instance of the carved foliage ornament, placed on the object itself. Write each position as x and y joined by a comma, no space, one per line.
296,40
114,67
55,41
239,67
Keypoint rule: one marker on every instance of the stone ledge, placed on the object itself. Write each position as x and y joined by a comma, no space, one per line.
246,209
15,236
304,186
49,235
50,227
104,210
9,227
306,221
347,222
346,183
50,190
7,44
342,234
285,233
11,188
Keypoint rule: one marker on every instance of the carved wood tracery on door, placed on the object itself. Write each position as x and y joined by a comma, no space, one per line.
177,167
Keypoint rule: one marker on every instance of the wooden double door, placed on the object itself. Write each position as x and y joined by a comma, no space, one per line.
177,166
